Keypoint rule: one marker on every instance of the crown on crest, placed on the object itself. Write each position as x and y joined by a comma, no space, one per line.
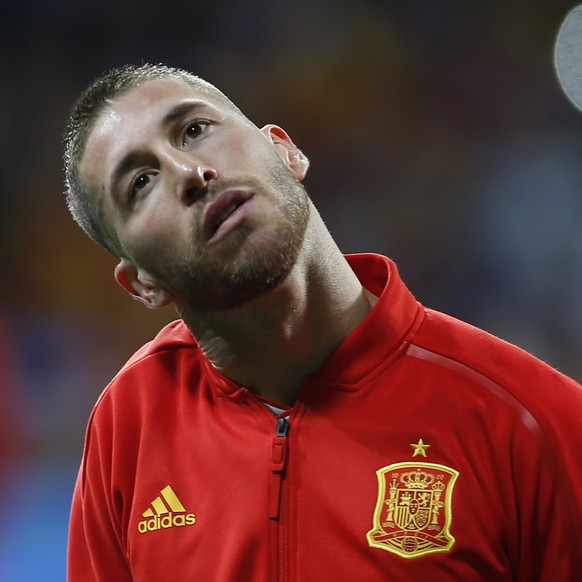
417,479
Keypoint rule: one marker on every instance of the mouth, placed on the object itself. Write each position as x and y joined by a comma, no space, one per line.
223,214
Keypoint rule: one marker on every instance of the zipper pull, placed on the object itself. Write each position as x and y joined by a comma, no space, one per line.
278,461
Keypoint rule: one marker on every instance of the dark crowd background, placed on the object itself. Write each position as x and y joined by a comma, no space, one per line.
437,134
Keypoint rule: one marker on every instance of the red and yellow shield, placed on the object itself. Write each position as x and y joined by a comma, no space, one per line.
413,512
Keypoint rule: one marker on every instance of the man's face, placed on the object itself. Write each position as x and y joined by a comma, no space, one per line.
205,203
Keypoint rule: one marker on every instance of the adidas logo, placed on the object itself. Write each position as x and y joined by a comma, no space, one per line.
166,511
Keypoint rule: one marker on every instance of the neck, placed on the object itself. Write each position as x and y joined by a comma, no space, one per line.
272,343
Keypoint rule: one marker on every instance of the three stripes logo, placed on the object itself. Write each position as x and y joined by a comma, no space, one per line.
166,511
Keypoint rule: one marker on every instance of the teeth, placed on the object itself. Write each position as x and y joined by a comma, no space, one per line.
225,214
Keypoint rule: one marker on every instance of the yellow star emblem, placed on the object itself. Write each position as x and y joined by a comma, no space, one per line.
419,448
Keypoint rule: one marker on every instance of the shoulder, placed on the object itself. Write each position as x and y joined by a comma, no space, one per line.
484,353
153,368
539,398
171,339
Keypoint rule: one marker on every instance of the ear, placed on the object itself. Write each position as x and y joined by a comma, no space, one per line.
289,153
141,286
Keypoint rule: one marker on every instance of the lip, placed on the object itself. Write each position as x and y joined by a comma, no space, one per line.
215,208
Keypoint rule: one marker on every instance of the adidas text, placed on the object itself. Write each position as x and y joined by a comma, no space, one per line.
167,521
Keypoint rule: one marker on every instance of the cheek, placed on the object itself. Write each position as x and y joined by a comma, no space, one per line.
243,154
152,233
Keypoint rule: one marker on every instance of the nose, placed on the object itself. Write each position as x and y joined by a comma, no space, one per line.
189,176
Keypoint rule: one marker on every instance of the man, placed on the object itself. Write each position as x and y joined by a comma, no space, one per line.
322,425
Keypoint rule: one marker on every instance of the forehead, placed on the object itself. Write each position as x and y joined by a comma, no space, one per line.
146,104
157,92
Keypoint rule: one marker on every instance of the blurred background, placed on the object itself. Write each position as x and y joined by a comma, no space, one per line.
437,134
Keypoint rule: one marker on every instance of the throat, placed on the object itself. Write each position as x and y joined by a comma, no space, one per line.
274,361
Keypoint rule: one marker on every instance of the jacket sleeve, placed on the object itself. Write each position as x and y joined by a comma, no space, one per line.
95,551
546,480
549,514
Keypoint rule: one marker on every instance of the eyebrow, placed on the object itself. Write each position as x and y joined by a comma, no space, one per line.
131,159
181,110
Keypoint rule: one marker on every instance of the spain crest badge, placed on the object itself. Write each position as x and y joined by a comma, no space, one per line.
413,512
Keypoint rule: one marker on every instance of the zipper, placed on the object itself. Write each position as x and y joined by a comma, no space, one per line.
278,493
278,510
278,463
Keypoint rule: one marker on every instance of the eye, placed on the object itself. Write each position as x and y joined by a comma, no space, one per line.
193,130
140,182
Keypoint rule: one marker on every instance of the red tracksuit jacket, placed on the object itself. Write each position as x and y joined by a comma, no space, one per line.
424,449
